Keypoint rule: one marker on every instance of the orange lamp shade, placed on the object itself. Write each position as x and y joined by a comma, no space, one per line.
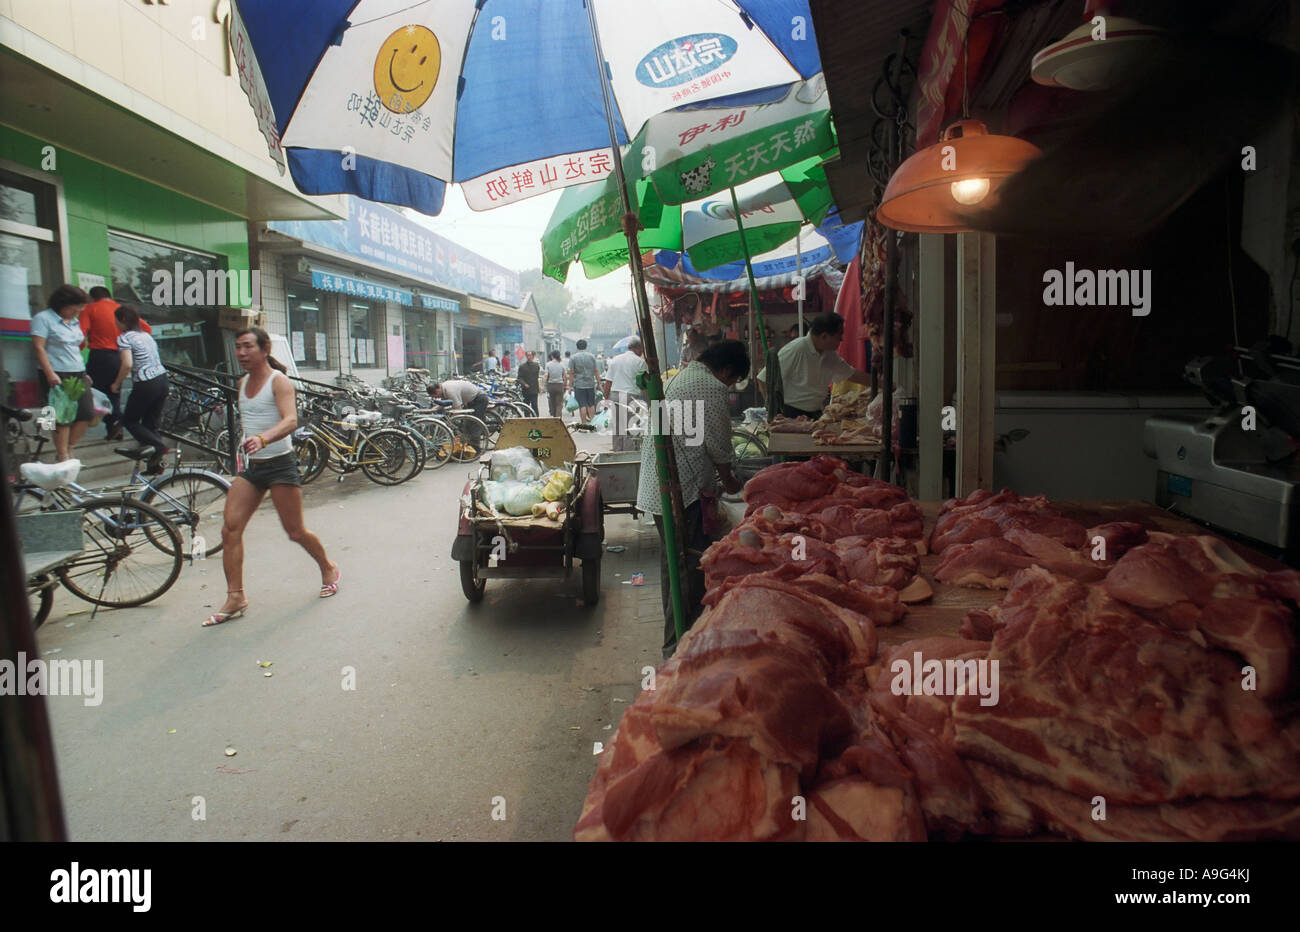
935,188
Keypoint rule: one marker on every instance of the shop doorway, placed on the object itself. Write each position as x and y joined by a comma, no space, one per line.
471,349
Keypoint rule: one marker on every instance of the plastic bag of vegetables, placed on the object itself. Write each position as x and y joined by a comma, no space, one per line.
556,484
520,500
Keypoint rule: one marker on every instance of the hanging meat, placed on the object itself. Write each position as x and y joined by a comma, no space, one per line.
873,297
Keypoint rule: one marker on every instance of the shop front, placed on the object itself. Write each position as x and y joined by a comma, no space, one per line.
386,294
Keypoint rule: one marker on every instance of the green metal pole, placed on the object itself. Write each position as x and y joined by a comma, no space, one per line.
749,271
670,491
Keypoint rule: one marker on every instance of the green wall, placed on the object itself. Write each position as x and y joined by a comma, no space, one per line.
98,197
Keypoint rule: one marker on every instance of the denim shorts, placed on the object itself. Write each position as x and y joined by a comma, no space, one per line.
278,470
586,397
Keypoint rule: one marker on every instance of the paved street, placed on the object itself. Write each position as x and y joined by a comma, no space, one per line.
454,704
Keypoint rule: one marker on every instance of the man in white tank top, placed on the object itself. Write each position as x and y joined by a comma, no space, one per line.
268,416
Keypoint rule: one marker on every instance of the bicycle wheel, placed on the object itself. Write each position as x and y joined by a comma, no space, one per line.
119,567
418,439
311,458
389,457
40,598
471,437
192,499
438,440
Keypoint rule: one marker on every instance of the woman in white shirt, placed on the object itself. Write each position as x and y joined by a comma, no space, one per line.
269,416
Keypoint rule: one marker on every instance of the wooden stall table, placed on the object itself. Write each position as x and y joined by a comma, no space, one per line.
785,444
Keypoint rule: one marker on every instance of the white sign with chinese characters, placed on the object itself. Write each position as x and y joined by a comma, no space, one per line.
536,177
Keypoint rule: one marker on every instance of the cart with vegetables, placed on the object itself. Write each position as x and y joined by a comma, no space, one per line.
533,511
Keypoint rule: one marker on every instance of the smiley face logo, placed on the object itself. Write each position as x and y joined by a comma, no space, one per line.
406,68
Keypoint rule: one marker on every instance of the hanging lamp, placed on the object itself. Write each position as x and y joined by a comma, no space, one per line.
934,188
1098,55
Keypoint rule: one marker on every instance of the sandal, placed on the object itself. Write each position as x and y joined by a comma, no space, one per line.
331,588
220,618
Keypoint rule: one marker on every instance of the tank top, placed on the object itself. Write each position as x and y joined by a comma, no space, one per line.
259,414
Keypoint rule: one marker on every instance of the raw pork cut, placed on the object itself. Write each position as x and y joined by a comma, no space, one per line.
1199,584
1095,699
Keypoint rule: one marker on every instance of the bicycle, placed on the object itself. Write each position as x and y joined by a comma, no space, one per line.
115,568
386,455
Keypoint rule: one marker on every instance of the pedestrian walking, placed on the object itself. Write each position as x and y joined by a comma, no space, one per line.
583,367
621,389
139,358
528,377
555,382
269,415
99,325
56,341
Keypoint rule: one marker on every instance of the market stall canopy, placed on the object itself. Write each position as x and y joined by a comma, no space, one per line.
773,208
773,271
392,101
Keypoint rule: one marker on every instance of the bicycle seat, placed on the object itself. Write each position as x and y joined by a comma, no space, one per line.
135,453
51,476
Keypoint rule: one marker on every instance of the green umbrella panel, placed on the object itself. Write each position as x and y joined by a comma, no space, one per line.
585,223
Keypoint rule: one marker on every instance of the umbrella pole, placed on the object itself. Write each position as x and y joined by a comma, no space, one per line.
798,259
670,490
749,272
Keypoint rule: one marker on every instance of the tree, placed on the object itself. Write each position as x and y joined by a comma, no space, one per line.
559,309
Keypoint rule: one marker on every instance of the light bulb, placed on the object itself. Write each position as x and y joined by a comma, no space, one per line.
970,190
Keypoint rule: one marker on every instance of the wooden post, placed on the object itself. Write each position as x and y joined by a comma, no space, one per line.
976,355
930,347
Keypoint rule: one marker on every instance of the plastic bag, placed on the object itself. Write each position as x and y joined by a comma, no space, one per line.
496,493
571,404
556,484
515,463
521,499
65,406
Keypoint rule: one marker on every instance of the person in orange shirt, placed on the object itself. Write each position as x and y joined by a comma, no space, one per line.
100,327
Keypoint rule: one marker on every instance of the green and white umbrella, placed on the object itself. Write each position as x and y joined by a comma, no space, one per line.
773,208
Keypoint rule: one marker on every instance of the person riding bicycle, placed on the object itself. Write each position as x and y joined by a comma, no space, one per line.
463,394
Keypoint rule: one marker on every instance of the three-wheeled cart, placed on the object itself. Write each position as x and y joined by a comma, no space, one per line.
491,544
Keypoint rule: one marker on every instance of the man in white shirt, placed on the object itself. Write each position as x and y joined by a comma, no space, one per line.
621,389
809,364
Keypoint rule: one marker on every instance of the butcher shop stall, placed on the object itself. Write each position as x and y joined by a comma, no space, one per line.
1060,602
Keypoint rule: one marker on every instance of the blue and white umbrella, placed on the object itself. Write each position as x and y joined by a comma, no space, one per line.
391,100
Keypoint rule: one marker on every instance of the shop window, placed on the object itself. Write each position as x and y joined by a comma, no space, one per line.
31,266
307,316
187,333
365,334
419,339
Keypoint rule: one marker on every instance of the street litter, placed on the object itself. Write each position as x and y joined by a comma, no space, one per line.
615,548
231,752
